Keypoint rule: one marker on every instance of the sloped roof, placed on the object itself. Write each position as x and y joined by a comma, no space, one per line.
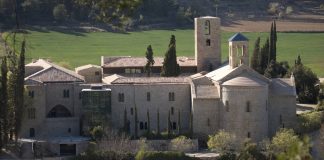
238,37
86,67
52,73
245,80
128,61
226,73
117,79
282,86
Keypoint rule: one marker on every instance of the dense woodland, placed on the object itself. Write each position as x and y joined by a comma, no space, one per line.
134,13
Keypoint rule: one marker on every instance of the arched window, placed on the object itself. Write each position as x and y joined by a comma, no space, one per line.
248,108
59,111
207,27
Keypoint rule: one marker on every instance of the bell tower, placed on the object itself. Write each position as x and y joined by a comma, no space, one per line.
238,50
207,43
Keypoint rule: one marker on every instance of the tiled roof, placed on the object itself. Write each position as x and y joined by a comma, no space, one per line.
117,79
86,67
52,73
282,86
141,61
244,80
238,37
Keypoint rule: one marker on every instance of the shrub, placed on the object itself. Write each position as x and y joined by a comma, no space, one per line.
149,155
97,133
223,142
60,12
322,6
283,140
289,10
100,155
182,143
309,122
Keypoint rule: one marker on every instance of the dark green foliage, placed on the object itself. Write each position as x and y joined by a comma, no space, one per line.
227,156
136,123
170,65
4,102
305,81
104,155
264,56
150,60
148,155
60,12
276,70
148,122
97,133
158,121
256,57
309,122
250,151
273,42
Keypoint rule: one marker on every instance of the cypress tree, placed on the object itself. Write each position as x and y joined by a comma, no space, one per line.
170,65
136,121
264,56
273,42
150,60
169,125
125,121
255,61
4,100
148,122
158,121
179,122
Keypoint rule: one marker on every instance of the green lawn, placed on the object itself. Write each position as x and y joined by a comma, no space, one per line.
84,48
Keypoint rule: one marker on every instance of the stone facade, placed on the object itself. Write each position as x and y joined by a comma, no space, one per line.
233,97
207,43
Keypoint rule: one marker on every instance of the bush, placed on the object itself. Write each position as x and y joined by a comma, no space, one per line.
60,12
322,6
101,155
182,144
223,142
149,155
309,122
289,10
97,133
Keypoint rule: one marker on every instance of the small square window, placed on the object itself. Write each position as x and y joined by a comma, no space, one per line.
171,96
121,97
31,94
66,93
208,42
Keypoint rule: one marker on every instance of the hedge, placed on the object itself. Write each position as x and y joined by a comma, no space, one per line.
154,155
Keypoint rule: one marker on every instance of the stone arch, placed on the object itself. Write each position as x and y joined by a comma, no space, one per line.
59,111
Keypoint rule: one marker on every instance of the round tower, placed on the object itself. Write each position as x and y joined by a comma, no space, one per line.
238,50
207,43
245,107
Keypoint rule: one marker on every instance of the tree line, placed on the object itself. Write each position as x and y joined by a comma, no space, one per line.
12,91
264,61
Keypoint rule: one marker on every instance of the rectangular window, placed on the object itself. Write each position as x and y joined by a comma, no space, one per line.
172,111
138,71
121,97
127,70
66,93
208,122
31,94
31,132
141,125
80,95
248,135
31,113
280,119
174,125
248,109
208,42
227,106
132,111
171,96
145,125
148,96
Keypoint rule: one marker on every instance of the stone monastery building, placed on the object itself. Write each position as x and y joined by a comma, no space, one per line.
207,97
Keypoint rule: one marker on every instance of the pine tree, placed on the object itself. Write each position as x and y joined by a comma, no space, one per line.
150,60
148,122
170,65
255,61
4,100
136,121
158,122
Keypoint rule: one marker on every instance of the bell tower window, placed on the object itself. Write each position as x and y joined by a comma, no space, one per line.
207,27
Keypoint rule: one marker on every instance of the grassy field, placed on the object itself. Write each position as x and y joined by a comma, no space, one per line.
83,48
